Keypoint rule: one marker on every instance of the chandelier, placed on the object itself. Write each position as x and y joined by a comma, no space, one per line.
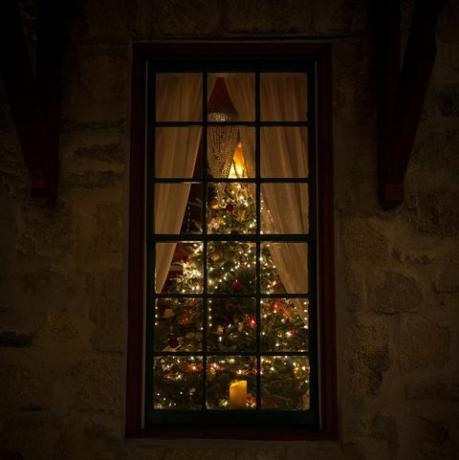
222,139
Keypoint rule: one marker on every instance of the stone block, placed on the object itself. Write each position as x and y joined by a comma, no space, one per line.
448,279
436,391
394,293
423,344
435,149
96,385
93,150
26,382
96,85
30,436
267,17
337,17
437,213
363,242
367,356
180,18
100,233
108,225
448,101
42,304
105,294
105,76
16,339
384,428
46,232
94,180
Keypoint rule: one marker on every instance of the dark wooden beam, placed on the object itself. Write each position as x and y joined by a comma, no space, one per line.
400,108
34,95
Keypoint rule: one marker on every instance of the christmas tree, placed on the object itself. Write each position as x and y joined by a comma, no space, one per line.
232,320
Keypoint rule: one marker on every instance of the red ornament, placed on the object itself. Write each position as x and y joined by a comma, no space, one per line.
185,319
236,285
229,207
252,322
173,342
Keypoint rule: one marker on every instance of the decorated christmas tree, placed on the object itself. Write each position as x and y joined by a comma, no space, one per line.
232,319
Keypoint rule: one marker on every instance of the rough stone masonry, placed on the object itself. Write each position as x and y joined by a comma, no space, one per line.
63,269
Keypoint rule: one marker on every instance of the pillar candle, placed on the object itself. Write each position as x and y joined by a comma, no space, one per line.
238,394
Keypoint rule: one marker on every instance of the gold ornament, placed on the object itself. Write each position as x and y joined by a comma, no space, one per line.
215,256
213,203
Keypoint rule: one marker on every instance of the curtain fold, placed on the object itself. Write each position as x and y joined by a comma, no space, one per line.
177,98
283,154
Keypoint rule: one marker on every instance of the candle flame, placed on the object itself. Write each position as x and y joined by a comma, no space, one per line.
238,168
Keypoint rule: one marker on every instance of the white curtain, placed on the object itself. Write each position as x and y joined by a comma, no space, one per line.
177,98
283,154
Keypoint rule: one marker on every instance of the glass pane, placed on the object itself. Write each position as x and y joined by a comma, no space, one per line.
177,152
231,152
231,267
178,324
284,268
172,222
284,324
284,151
283,96
231,96
177,382
285,208
231,382
179,267
231,208
285,382
178,97
232,324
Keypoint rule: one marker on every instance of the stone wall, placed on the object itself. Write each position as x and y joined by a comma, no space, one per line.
63,269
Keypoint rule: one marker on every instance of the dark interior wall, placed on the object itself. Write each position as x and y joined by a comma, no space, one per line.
63,269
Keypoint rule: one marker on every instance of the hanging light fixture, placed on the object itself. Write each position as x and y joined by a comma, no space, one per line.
222,139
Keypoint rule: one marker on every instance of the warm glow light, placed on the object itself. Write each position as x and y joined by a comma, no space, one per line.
238,167
238,394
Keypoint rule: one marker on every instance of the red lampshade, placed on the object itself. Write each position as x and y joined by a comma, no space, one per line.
220,100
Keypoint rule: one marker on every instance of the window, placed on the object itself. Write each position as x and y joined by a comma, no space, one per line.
230,284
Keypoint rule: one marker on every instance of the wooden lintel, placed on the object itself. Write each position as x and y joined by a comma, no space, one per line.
400,109
34,96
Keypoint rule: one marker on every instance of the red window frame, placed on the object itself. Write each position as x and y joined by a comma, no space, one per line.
321,55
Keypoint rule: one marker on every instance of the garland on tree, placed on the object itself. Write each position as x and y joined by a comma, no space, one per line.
232,325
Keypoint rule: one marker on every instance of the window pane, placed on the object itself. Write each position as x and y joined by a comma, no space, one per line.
231,267
285,208
189,220
179,267
177,382
178,97
284,268
284,324
285,382
284,151
232,324
231,152
177,152
178,324
231,382
231,96
231,208
283,96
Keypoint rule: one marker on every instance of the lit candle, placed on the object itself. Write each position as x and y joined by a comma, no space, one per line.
238,394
